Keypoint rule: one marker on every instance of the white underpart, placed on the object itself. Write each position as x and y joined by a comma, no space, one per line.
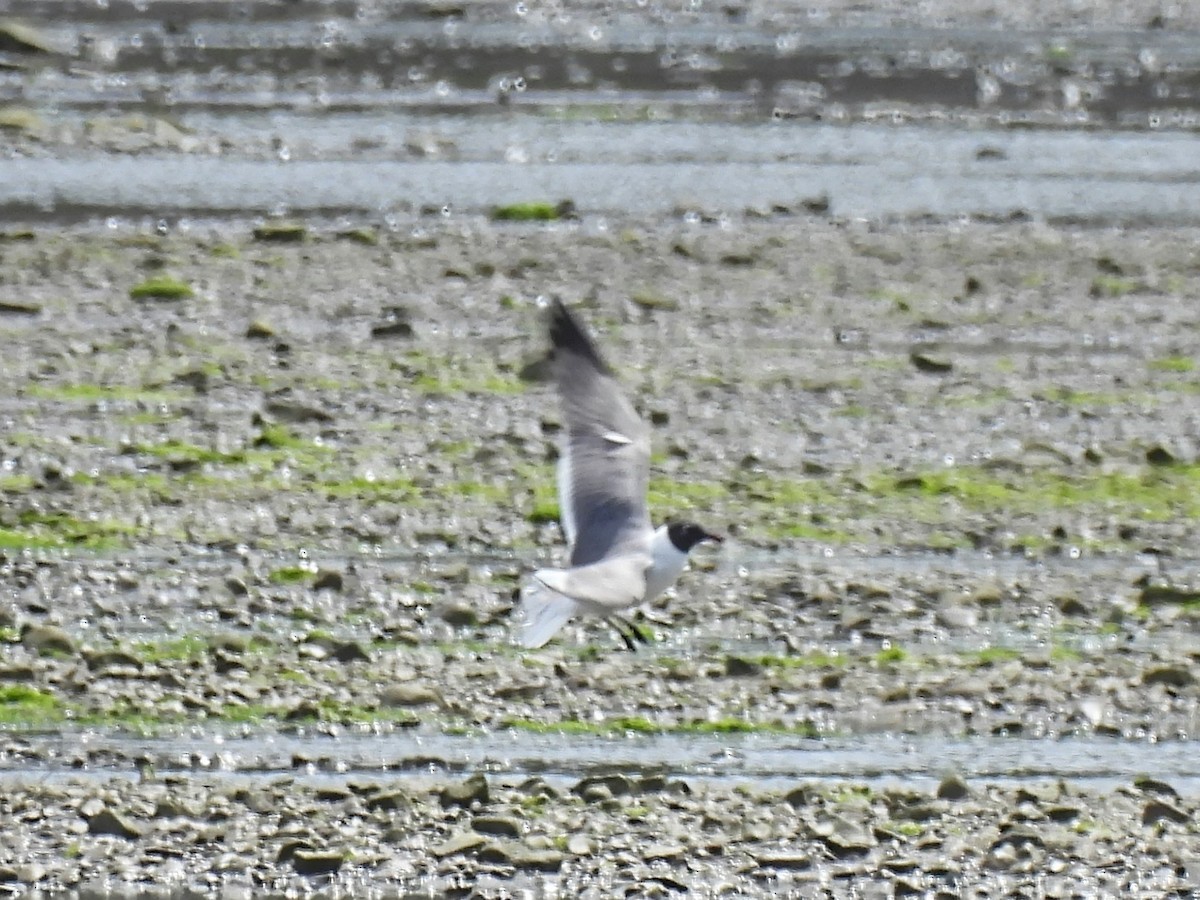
669,563
544,610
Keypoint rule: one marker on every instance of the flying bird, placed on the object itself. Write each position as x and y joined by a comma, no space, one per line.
617,558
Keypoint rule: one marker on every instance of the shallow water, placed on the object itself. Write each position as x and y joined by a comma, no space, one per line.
760,760
646,169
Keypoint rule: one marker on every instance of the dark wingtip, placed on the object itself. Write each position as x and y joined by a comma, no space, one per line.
568,336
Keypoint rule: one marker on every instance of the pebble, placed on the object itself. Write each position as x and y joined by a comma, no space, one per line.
465,793
403,695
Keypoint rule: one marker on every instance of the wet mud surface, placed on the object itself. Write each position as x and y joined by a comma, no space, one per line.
912,313
959,482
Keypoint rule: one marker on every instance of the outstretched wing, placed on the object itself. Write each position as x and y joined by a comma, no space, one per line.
604,467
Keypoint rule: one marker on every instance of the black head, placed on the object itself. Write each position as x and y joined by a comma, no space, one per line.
686,535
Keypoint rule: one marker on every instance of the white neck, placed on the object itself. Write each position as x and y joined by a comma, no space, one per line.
668,562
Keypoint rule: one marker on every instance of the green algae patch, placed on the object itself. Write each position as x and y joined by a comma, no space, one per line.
104,393
162,287
398,489
187,648
1152,494
1174,363
34,530
528,212
289,575
992,656
815,660
22,705
15,484
544,512
180,452
890,656
1112,286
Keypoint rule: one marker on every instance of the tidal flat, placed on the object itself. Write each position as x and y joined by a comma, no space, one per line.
958,479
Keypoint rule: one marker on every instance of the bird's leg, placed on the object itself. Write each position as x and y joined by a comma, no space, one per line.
625,630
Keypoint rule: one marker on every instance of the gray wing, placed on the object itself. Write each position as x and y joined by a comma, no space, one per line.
604,469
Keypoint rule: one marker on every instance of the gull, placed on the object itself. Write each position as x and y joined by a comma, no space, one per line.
617,558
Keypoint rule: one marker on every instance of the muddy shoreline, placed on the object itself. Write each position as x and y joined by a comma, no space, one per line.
960,487
912,312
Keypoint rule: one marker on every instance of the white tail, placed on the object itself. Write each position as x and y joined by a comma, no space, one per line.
542,611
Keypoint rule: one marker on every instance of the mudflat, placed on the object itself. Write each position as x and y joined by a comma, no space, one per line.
274,458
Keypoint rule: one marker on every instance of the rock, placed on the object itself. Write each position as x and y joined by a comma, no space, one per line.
303,711
1151,786
317,862
460,843
259,330
801,796
287,852
296,413
1070,605
31,873
957,618
1063,815
664,851
1160,456
652,784
465,793
108,822
1171,676
1156,594
17,37
388,801
368,237
650,301
332,794
579,845
615,785
1159,810
348,652
8,875
396,329
111,659
1018,836
328,580
409,695
48,639
783,859
739,667
953,787
281,233
459,615
847,844
501,826
520,856
930,364
537,369
168,808
9,307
